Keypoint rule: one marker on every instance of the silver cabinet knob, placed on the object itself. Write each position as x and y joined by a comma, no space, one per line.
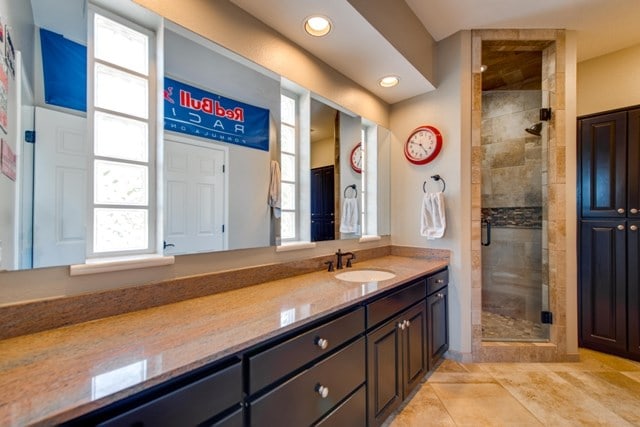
322,391
439,295
407,323
440,281
322,343
401,326
634,211
633,228
620,211
621,227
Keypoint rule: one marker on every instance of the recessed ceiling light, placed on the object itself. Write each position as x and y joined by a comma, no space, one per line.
389,81
317,25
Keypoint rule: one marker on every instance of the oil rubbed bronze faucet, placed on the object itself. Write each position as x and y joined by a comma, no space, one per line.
339,256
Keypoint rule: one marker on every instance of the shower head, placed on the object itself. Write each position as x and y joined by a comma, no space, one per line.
535,129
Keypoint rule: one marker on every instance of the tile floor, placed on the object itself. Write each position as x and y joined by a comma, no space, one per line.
599,390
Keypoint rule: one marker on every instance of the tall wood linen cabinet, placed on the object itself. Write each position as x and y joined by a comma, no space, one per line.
609,231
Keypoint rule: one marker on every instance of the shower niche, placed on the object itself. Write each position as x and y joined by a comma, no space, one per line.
514,143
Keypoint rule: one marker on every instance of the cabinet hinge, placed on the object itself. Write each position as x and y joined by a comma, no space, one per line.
223,228
30,136
224,168
546,317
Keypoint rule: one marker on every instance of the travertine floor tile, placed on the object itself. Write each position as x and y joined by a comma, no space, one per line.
614,390
424,409
483,405
555,401
633,376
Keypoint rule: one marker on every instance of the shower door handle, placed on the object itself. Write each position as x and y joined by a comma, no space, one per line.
487,241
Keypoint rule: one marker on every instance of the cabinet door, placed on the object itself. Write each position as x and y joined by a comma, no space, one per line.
603,165
633,287
384,375
602,293
633,142
414,346
438,325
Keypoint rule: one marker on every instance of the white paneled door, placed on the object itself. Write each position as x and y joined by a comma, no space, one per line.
60,189
195,200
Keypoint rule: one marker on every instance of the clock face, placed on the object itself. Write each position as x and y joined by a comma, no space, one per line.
357,158
423,145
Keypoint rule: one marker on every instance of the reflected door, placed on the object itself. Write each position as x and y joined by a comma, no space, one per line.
322,204
60,189
194,197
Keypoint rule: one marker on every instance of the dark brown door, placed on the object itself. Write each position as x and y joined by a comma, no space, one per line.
384,373
322,204
603,284
438,325
603,154
415,346
633,287
633,183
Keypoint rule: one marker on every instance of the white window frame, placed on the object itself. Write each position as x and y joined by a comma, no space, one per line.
296,182
152,103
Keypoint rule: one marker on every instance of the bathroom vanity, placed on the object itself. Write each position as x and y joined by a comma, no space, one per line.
306,350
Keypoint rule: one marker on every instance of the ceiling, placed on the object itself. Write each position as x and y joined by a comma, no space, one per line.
359,51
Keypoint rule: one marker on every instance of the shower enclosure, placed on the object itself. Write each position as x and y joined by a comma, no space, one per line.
514,249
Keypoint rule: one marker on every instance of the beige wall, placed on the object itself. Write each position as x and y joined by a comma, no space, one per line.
609,81
448,109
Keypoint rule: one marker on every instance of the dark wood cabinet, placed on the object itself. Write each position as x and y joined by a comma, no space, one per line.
396,362
438,325
609,209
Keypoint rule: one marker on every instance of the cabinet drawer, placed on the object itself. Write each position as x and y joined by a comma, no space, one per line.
352,412
189,405
386,307
270,365
437,281
298,401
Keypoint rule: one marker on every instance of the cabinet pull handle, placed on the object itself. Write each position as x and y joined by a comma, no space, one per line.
439,295
322,391
620,211
633,228
322,343
634,211
438,281
621,227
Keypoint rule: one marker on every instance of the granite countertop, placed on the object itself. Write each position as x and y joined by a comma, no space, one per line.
56,375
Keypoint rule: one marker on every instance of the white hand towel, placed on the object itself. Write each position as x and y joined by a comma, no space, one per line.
432,218
274,189
349,218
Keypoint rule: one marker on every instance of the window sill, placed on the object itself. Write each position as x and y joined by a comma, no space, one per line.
294,246
106,265
369,238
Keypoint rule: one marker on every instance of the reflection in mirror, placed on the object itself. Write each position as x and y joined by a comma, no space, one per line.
43,209
351,190
324,181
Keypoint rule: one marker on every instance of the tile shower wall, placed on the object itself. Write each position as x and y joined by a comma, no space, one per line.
512,201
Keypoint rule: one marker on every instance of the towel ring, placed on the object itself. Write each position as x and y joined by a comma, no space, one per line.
350,186
435,178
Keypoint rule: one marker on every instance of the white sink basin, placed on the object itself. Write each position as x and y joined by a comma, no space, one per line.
365,276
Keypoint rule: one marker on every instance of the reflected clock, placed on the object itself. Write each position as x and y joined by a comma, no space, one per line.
423,145
356,158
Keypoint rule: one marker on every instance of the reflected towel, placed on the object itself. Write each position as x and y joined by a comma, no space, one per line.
274,189
432,218
349,218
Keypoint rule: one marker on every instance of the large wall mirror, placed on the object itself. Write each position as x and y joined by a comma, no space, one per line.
214,193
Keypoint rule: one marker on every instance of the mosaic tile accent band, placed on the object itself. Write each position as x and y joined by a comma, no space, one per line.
522,217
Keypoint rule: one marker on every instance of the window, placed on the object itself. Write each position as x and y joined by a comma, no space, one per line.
288,162
121,124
